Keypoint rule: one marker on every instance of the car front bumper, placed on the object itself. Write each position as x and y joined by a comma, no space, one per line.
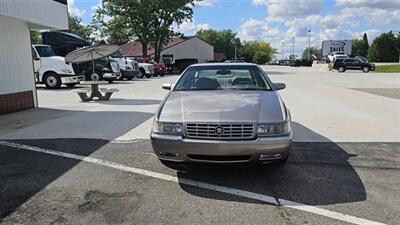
262,149
68,79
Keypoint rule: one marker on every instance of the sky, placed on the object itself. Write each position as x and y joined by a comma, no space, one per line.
279,21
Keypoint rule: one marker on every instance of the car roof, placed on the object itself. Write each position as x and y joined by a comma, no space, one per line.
222,64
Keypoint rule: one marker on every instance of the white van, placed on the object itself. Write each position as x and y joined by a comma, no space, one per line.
52,70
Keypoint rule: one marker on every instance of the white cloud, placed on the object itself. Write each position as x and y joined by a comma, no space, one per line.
205,3
191,27
383,4
290,8
74,10
253,29
374,12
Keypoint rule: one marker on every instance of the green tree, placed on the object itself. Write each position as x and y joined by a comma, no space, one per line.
360,46
167,14
223,41
315,53
249,50
76,27
36,37
148,21
385,48
261,57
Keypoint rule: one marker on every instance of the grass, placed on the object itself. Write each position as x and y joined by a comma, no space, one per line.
388,69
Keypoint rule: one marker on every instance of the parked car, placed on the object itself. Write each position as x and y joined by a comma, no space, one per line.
159,68
222,113
336,55
341,65
52,70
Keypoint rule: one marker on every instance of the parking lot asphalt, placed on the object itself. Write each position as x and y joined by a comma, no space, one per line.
92,163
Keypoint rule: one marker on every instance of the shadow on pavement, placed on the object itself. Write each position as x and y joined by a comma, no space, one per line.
317,173
52,123
119,101
25,173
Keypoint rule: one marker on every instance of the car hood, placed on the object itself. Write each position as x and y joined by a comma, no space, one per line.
57,59
223,106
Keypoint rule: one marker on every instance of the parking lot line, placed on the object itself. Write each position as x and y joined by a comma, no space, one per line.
207,186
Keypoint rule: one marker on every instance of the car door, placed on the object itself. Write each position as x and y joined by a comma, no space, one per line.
350,64
357,64
36,60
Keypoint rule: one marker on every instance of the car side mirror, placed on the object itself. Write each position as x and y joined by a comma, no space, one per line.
280,86
36,58
167,86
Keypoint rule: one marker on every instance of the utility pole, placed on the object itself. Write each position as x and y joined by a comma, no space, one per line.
294,57
235,51
283,50
309,44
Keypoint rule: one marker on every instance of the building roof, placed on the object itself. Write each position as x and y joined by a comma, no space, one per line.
134,49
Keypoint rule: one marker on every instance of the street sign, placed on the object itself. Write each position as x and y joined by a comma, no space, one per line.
342,46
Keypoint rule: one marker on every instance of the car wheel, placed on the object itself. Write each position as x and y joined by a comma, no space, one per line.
142,73
110,81
365,69
71,85
129,78
341,69
148,75
52,80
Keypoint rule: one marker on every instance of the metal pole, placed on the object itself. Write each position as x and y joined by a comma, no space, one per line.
294,57
309,44
283,50
93,64
235,52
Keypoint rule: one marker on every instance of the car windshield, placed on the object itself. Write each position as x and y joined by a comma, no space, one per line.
117,55
45,51
222,78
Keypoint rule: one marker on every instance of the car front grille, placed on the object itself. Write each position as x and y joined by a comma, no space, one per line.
214,131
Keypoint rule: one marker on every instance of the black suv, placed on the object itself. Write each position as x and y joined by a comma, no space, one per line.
342,65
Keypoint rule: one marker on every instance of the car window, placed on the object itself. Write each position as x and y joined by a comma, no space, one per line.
45,51
222,78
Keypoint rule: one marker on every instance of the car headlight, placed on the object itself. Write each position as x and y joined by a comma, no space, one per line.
273,129
65,70
167,128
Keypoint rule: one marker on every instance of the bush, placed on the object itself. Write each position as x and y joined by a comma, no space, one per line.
261,58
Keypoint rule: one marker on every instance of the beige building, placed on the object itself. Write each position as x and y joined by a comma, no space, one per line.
17,18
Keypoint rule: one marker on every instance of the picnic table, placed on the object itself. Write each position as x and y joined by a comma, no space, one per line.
88,94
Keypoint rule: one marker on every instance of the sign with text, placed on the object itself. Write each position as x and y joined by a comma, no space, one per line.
331,46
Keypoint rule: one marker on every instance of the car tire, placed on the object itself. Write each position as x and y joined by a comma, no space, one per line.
142,73
148,75
341,69
52,80
129,78
110,81
365,69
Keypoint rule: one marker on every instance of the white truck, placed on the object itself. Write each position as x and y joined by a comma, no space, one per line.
129,67
52,70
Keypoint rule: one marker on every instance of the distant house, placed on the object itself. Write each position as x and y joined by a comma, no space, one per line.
17,18
177,48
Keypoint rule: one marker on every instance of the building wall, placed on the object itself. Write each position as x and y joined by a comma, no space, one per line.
17,87
40,14
192,48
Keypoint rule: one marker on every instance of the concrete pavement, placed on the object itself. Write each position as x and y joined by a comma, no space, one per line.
346,159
